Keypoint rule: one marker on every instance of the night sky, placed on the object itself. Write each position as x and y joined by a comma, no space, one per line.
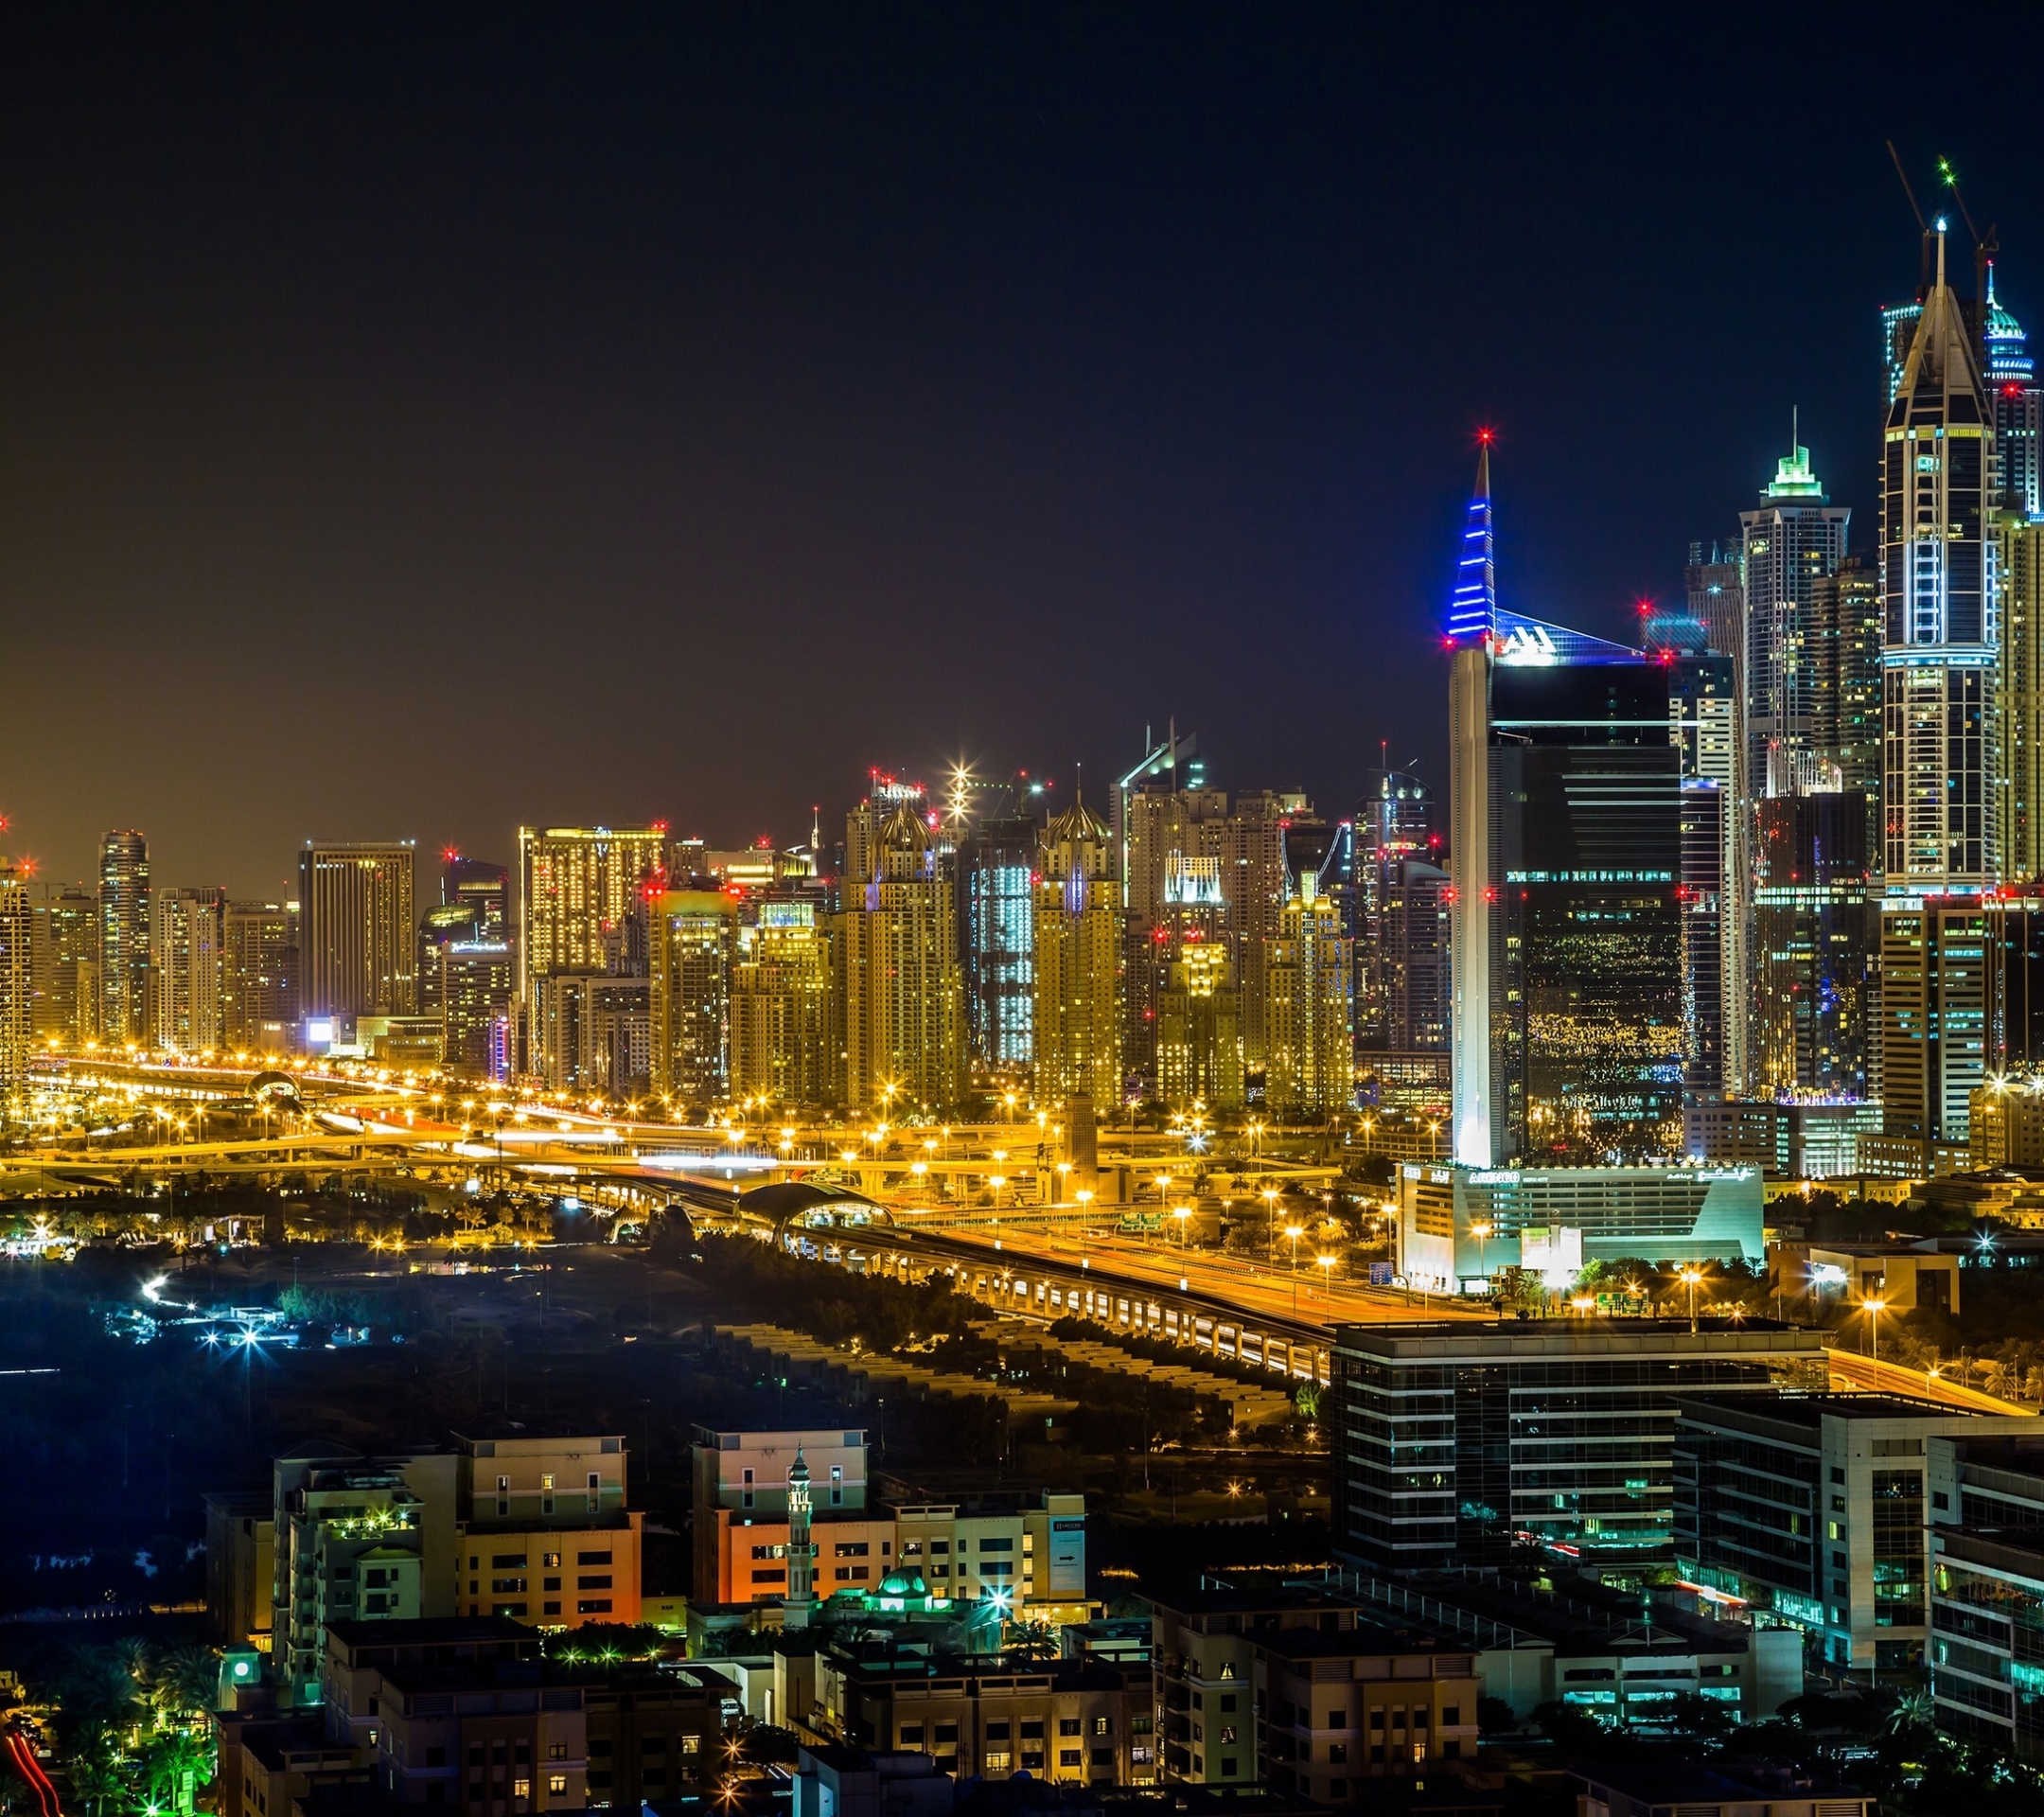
413,423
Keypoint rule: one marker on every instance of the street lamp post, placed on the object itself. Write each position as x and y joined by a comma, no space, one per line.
1874,1309
1294,1232
1482,1233
1689,1276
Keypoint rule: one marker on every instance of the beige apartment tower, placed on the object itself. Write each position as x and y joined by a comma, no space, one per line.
1078,970
784,1041
359,942
690,937
903,988
185,933
1309,1008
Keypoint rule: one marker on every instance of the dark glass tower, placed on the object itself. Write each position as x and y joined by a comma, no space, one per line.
1001,941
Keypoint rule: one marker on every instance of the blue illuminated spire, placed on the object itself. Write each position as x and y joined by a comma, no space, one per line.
1472,613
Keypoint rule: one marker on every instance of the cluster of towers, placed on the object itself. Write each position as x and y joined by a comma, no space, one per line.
1789,847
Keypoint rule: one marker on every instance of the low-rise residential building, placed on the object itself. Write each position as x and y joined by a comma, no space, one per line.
1359,1703
1203,1646
356,1539
543,1533
496,1738
1646,1789
1813,1508
1083,1721
653,1732
1905,1278
1987,1636
267,1764
1022,1554
355,1655
240,1567
832,1781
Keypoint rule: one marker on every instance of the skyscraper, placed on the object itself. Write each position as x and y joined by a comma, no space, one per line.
1394,830
2020,724
260,977
17,978
66,942
1845,630
999,863
1565,852
1161,809
476,988
1078,969
579,885
1816,921
1938,602
1933,978
358,950
1308,1006
690,938
1792,541
904,989
1198,997
2018,408
784,1043
185,937
124,923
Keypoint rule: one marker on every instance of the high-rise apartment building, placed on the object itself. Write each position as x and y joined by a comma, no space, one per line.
1939,604
258,976
2018,408
124,926
1714,588
473,910
1161,810
476,988
1250,840
903,988
17,977
358,949
1198,996
1794,539
66,958
578,886
1405,972
1077,963
1394,826
784,1042
187,937
1846,651
1308,1007
1816,920
591,1032
690,938
2015,984
2020,724
1933,1011
1000,944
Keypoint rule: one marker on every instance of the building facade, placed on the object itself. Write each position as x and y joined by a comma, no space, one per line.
259,1007
17,978
1000,943
1816,926
691,937
1077,1018
1309,1008
784,1041
187,937
358,949
123,928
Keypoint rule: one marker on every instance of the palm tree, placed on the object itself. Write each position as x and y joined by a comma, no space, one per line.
188,1680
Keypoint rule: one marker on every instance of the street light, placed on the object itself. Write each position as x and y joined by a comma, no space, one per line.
1182,1212
1327,1273
1294,1232
1689,1276
1874,1308
1482,1233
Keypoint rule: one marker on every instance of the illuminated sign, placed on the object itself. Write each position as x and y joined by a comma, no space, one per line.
1528,647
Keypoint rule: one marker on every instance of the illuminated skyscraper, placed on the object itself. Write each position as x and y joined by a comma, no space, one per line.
474,908
1473,611
358,950
903,988
578,886
784,1042
66,942
690,938
2020,724
475,992
1794,540
1816,921
1400,936
1250,842
1078,970
1199,1009
17,978
260,977
186,935
124,923
1938,600
1934,1010
1570,1041
1308,1007
1000,864
1162,809
2018,408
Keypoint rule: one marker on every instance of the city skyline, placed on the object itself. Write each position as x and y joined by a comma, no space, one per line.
289,472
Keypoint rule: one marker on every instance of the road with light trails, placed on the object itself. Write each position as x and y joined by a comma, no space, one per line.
1850,1370
1253,1287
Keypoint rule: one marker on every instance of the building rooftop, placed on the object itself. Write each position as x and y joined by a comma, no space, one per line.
1544,1337
1215,1595
1653,1782
430,1632
1809,1410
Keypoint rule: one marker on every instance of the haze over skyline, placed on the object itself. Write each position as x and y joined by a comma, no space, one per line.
418,425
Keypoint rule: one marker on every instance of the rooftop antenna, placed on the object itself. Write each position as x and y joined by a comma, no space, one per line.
1923,280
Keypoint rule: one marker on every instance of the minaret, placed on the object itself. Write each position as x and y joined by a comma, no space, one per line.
799,1603
1938,594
